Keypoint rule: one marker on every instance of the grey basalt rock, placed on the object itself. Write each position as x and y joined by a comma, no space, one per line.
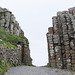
9,54
16,31
2,21
9,24
8,21
12,18
63,38
1,10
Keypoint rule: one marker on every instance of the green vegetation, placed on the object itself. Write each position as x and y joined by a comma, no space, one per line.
7,44
4,66
10,40
2,17
31,62
11,21
73,7
2,12
5,10
48,65
9,37
31,65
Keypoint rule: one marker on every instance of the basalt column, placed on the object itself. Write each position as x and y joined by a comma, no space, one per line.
14,46
51,51
63,40
57,42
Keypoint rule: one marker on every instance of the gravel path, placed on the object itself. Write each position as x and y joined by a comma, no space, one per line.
26,70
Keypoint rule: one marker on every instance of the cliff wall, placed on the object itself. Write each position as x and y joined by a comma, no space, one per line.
61,40
11,54
14,46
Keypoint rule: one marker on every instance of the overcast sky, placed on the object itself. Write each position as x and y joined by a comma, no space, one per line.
34,17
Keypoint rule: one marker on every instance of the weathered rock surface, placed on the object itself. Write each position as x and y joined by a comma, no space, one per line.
21,54
11,54
26,70
61,40
7,21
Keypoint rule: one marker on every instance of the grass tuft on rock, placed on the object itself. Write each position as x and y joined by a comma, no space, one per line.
4,66
10,40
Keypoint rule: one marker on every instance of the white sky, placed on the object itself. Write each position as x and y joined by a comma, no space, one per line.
34,17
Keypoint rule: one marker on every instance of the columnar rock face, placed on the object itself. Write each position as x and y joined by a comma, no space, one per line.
10,25
7,21
61,40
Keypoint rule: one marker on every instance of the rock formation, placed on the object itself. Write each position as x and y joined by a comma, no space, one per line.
7,21
18,55
61,40
11,54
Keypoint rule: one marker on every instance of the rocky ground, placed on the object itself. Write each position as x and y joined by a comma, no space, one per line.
27,70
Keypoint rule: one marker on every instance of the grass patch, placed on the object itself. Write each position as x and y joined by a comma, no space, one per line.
48,65
4,66
31,63
9,37
11,40
73,7
7,44
2,17
2,12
